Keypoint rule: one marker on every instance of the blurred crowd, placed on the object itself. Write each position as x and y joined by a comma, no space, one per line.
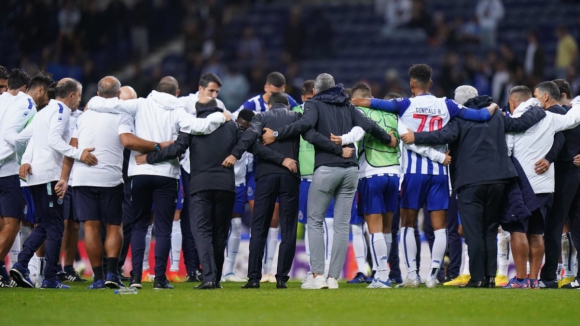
84,39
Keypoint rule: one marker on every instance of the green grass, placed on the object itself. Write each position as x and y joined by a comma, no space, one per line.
350,305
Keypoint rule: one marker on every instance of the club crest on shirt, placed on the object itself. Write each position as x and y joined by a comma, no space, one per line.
250,191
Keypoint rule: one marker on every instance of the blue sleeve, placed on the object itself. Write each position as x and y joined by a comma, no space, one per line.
477,115
292,102
249,105
398,106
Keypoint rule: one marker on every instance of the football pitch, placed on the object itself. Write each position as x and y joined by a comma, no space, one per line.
350,305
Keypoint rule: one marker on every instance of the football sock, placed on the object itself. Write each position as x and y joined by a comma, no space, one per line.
438,253
147,248
98,273
502,253
233,245
465,260
388,241
176,240
271,244
565,252
112,263
410,251
380,256
15,250
328,240
360,248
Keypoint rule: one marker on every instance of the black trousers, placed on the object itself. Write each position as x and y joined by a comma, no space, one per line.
190,255
127,221
566,193
479,207
210,215
146,191
269,187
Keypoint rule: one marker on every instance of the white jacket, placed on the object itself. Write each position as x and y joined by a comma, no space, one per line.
15,112
531,146
189,105
159,117
51,133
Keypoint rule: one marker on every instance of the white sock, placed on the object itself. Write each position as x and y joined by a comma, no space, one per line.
147,248
565,252
389,243
379,255
502,253
571,261
306,244
24,233
410,251
15,250
573,258
360,247
438,253
176,240
328,240
271,244
528,268
34,267
465,261
233,245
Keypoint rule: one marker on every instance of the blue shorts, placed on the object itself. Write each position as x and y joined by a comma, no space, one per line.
104,204
241,199
68,208
418,189
29,208
179,204
251,182
378,194
355,216
303,203
12,202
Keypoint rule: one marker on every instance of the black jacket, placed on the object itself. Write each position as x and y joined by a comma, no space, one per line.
331,112
566,143
275,118
479,149
207,153
520,200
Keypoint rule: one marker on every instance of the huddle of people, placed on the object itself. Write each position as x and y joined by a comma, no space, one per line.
338,162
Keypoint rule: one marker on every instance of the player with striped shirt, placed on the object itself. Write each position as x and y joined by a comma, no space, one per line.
424,181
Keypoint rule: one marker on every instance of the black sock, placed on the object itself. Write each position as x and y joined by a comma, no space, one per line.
98,271
112,264
3,271
69,269
59,268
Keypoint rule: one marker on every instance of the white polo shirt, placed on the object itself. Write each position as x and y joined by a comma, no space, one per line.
101,131
15,112
51,133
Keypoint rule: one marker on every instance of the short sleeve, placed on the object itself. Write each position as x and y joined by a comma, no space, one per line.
126,124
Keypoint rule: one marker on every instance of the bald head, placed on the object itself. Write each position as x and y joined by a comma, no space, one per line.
109,87
205,102
127,93
168,85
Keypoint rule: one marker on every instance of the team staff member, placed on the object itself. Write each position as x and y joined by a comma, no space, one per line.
566,183
157,118
212,189
209,86
51,135
17,107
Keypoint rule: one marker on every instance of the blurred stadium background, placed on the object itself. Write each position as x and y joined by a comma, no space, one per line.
242,41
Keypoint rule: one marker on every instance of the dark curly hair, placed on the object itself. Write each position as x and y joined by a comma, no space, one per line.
421,73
